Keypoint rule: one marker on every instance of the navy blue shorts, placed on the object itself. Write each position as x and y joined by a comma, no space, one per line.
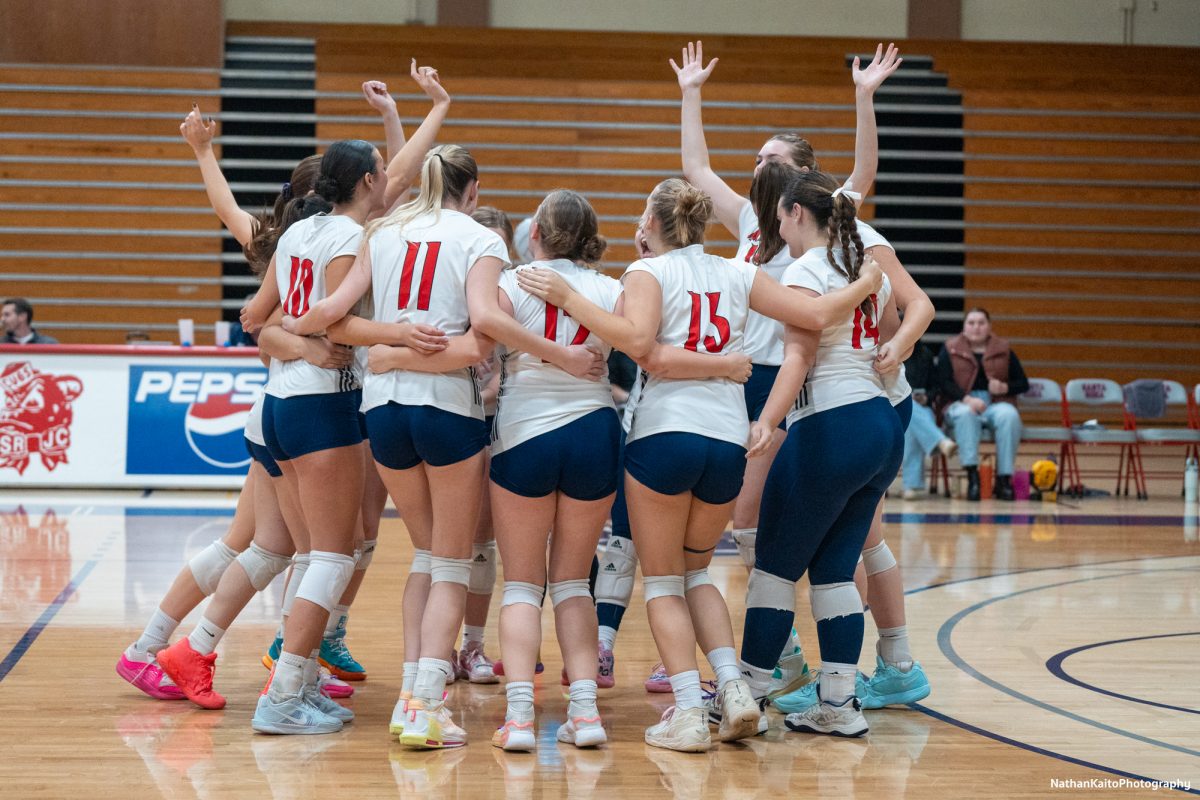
758,389
580,459
403,436
904,409
672,463
307,423
262,455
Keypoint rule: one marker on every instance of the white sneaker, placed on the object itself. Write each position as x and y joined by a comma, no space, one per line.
735,712
431,728
583,731
843,720
399,713
915,494
791,673
516,735
682,729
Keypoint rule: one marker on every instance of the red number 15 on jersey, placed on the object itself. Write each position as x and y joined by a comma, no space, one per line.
865,325
711,344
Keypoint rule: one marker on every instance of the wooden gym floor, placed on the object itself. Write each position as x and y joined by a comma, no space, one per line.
1062,643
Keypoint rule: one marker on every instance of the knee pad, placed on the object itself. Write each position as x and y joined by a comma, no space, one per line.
878,559
261,566
326,579
561,591
614,581
300,563
745,538
694,578
420,562
520,592
483,568
366,554
832,600
210,564
656,586
765,590
450,570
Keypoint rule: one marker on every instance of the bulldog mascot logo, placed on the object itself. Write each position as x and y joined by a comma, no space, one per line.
36,416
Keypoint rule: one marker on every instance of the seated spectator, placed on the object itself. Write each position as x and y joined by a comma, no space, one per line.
17,316
980,377
923,435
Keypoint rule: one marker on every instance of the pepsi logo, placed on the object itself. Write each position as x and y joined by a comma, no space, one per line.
215,429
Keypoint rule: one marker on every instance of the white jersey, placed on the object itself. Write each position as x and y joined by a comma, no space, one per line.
419,275
536,397
705,305
844,370
764,335
254,429
303,253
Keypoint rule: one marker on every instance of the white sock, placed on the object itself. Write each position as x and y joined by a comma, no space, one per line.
410,676
157,634
279,630
608,637
724,662
472,634
288,677
520,701
431,679
331,624
583,699
339,615
759,680
686,686
893,647
205,636
312,669
837,682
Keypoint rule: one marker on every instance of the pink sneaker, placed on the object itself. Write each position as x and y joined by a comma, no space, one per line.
149,677
605,679
658,682
334,688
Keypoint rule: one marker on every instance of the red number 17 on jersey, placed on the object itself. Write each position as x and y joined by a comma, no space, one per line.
581,335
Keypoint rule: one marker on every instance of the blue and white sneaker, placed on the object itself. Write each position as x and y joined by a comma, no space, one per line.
327,706
891,686
292,714
808,696
336,658
273,653
845,719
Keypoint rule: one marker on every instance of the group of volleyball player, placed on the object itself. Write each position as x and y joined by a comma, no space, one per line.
411,355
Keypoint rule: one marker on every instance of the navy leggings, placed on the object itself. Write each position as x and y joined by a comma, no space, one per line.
817,506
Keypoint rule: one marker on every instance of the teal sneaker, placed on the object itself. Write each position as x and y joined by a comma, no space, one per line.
806,697
891,687
336,658
791,673
273,653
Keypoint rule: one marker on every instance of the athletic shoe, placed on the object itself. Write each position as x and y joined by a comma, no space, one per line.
890,686
582,731
605,678
734,711
149,677
292,715
658,682
335,657
840,720
399,713
498,668
683,729
430,728
515,736
328,707
273,653
474,666
808,696
790,674
334,687
192,673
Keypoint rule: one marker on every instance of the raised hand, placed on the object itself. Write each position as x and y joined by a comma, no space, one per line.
198,131
545,284
427,79
882,66
693,73
378,98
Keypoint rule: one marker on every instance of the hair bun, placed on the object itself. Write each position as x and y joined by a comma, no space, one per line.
593,248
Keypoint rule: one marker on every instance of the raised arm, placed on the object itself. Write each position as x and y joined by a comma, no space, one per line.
405,164
812,312
696,168
909,298
866,139
378,98
799,354
199,134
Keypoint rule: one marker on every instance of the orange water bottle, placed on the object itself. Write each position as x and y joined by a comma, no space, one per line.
987,477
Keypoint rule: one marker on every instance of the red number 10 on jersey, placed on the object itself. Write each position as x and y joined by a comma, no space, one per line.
300,284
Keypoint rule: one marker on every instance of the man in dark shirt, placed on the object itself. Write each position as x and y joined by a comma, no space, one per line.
980,377
17,316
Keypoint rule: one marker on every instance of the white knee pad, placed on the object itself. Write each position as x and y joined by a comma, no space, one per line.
450,570
261,566
561,591
326,579
614,581
520,592
366,554
696,577
878,559
300,563
765,590
210,564
745,538
833,600
421,562
483,568
656,586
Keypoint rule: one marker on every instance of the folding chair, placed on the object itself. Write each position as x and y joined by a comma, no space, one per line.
1046,396
1101,395
1178,425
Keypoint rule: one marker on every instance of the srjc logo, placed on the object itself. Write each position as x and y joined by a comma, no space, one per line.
36,417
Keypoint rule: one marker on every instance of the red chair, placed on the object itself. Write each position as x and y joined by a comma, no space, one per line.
1102,397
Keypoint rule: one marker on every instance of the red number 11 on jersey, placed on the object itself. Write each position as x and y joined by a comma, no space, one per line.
428,268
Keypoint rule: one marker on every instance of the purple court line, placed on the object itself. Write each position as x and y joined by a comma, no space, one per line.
1054,665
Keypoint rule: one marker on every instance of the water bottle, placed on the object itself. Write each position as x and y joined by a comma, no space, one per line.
1191,477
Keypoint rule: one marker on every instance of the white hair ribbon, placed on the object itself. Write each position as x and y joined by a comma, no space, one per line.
853,195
